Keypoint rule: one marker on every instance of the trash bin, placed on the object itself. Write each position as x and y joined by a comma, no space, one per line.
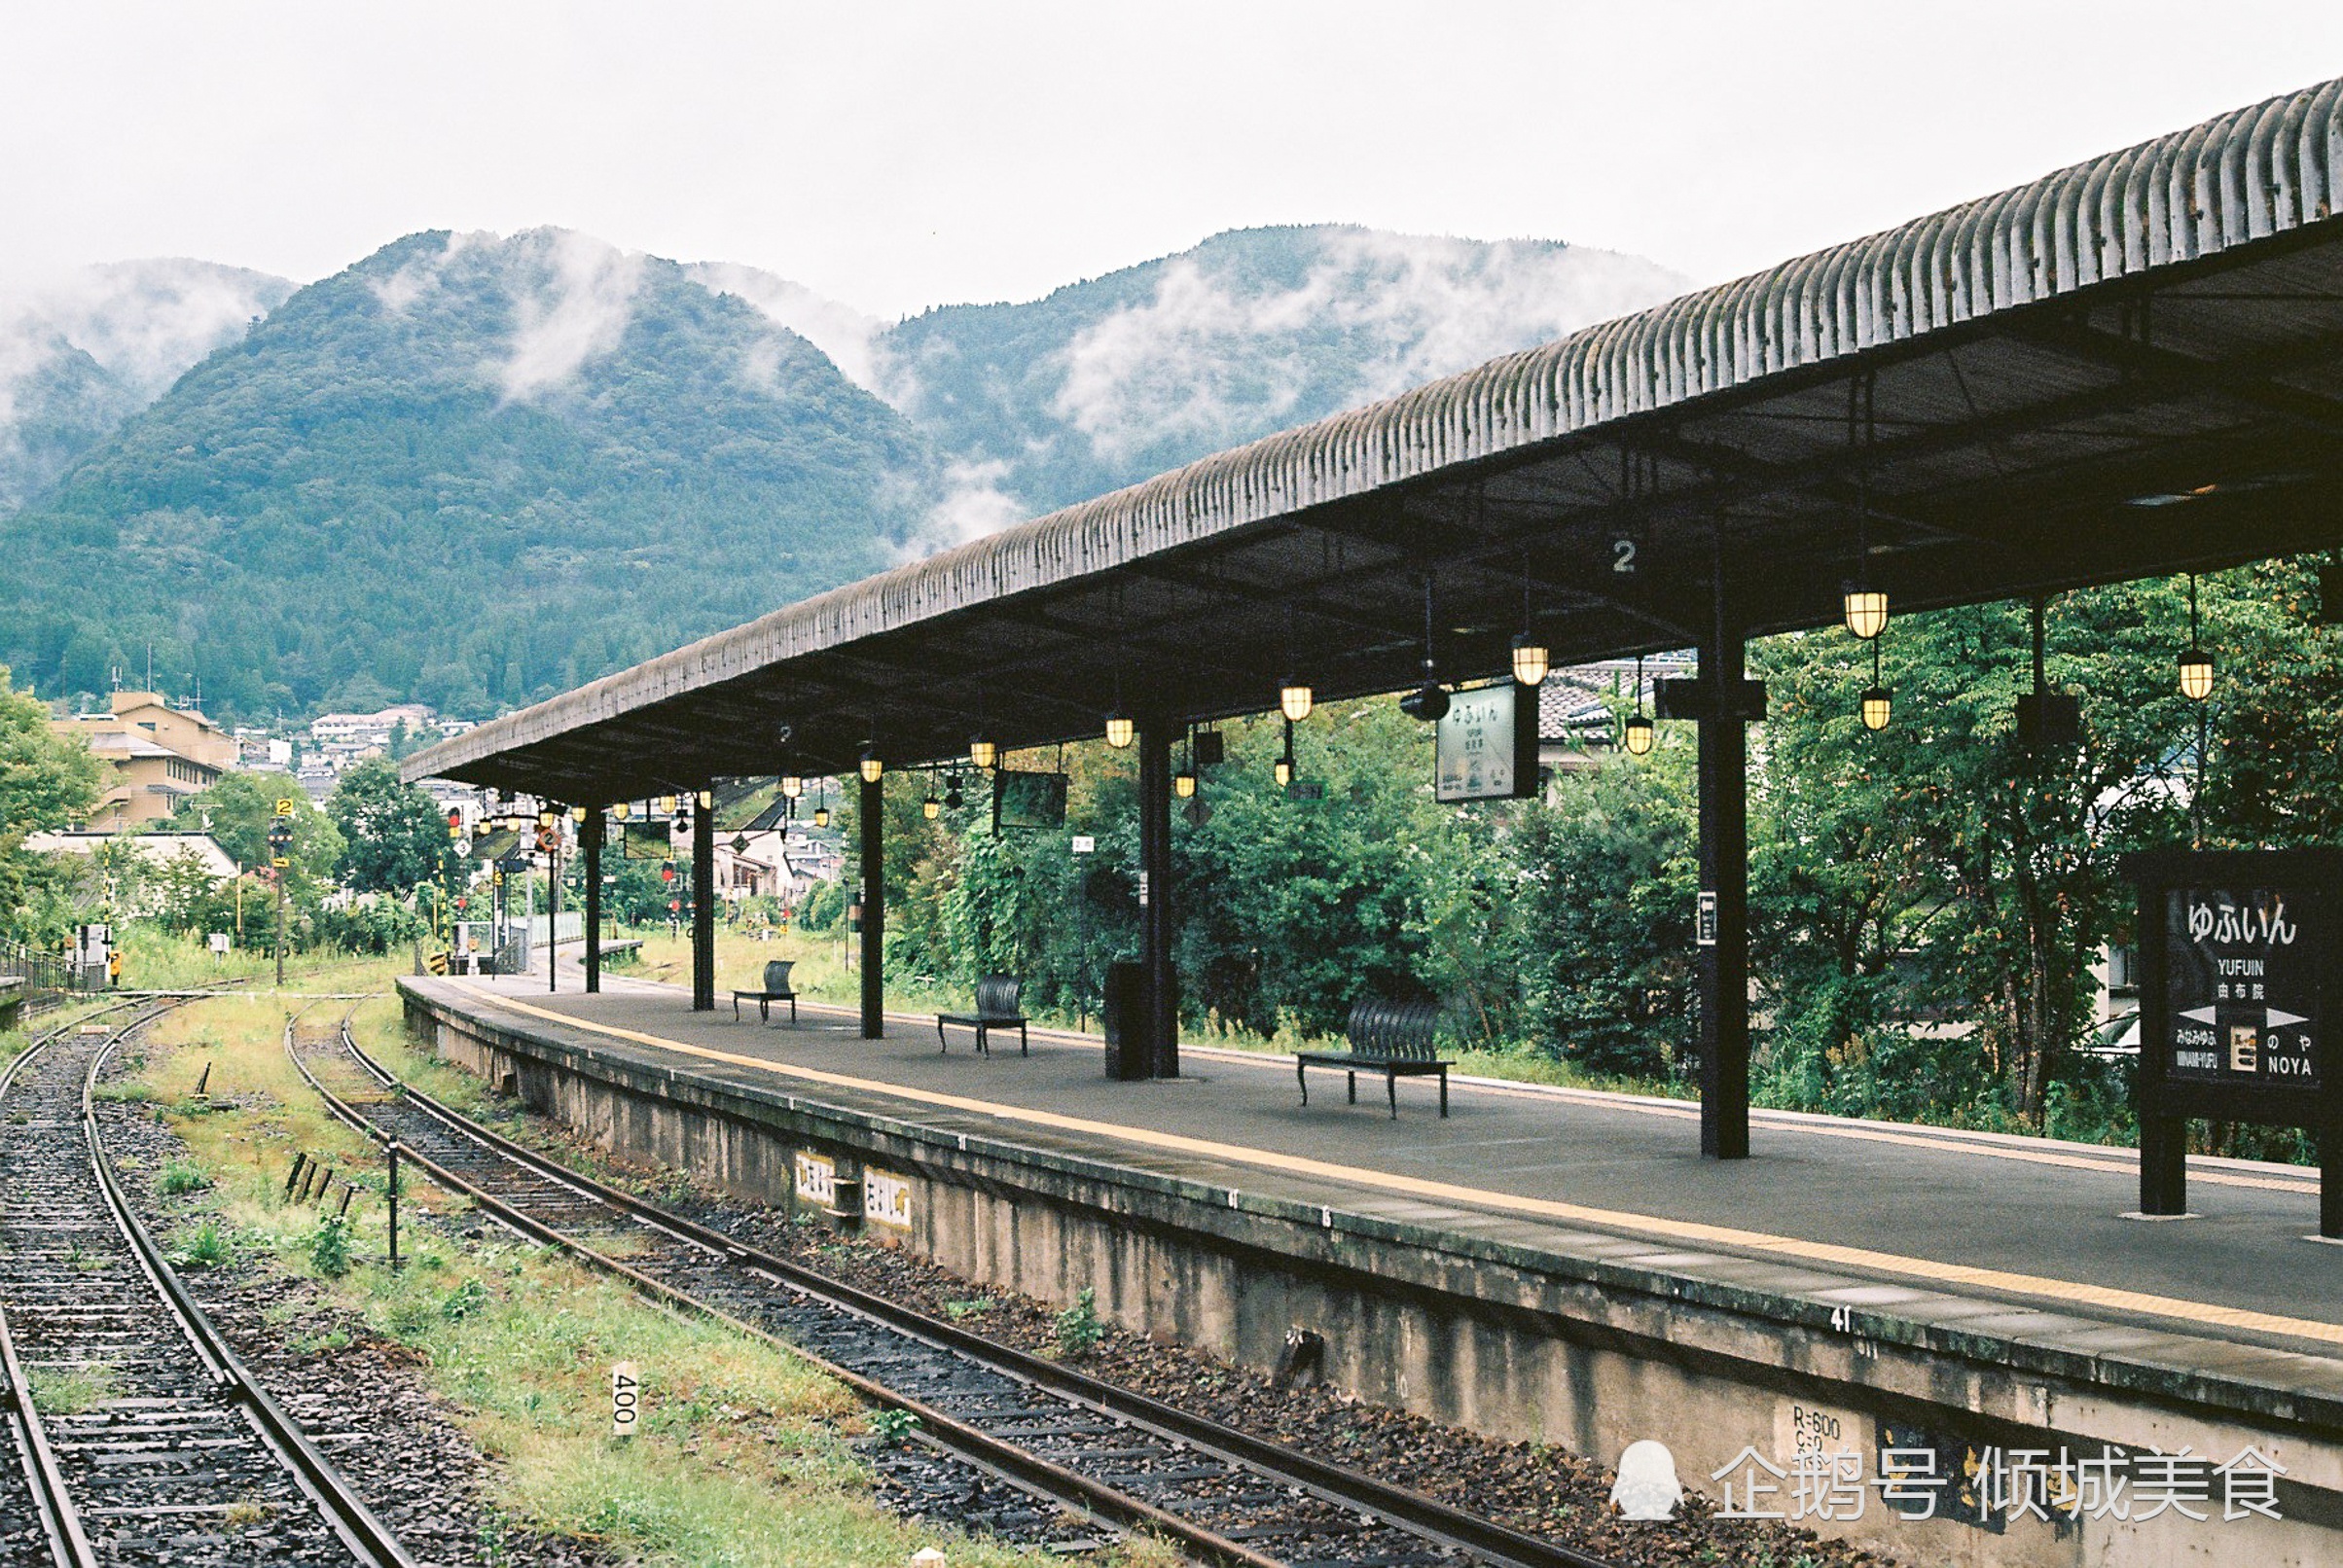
1124,1013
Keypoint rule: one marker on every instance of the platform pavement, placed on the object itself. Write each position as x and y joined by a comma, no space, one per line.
1993,1236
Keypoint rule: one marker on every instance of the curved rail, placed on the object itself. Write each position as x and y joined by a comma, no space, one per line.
368,1540
68,1544
1426,1517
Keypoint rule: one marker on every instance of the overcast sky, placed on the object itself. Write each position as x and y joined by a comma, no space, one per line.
897,156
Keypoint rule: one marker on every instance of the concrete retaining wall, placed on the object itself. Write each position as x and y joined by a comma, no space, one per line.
1479,1322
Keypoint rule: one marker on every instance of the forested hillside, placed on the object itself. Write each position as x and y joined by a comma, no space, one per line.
472,472
81,353
1110,381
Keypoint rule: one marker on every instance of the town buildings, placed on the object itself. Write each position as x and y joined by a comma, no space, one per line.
155,757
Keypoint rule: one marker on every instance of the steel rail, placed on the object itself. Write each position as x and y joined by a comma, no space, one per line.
1029,1470
68,1544
1424,1516
369,1539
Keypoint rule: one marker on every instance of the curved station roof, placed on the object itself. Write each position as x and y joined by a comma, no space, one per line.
2129,368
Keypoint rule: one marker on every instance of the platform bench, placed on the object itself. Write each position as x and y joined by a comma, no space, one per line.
1386,1036
776,989
995,1008
621,952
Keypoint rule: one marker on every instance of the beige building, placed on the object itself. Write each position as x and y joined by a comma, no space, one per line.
156,756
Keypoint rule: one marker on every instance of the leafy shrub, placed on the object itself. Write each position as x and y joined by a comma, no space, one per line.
207,1246
463,1300
179,1177
892,1427
330,1246
1079,1326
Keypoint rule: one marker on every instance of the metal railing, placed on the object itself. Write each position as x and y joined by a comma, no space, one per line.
45,974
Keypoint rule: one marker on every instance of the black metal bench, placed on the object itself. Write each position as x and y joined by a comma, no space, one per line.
776,989
1386,1036
995,1008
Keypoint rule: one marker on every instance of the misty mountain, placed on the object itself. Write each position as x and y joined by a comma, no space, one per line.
81,353
476,471
467,469
1108,382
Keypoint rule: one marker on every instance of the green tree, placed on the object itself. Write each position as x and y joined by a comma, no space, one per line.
1944,867
188,896
239,808
393,838
46,781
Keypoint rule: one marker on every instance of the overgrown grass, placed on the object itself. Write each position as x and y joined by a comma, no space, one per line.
71,1393
157,961
743,1456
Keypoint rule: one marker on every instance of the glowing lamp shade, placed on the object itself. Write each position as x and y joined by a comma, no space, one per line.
822,816
666,805
620,809
792,786
1294,700
1639,734
577,813
872,767
1120,730
1878,706
1282,773
1866,610
981,752
930,807
1183,783
708,800
2196,673
547,817
1531,661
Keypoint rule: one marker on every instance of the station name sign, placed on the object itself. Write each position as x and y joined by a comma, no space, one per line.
2240,952
1485,748
2241,989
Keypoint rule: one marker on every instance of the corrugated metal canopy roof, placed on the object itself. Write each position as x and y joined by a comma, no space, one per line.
2128,367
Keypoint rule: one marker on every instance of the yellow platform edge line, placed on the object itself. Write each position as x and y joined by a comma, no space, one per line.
1863,1259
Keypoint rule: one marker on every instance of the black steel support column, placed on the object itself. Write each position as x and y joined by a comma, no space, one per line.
1160,1009
2330,1182
704,901
553,908
872,819
590,845
1724,914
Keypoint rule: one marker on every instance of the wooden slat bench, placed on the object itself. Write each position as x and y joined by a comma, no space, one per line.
995,1008
776,989
1386,1036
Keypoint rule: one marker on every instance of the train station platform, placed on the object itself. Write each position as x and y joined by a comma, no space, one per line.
1544,1263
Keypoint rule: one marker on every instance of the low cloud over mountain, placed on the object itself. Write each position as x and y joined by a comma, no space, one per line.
81,352
478,469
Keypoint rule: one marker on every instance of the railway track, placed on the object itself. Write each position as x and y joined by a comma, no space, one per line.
143,1437
1223,1495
